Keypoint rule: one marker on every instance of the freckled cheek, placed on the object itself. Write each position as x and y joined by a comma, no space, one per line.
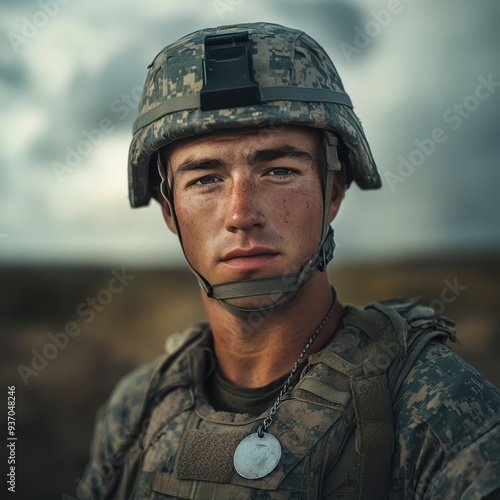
196,225
302,213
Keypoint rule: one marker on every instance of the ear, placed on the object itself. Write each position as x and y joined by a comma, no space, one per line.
338,190
167,215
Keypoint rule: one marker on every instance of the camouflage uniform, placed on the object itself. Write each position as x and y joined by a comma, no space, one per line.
445,418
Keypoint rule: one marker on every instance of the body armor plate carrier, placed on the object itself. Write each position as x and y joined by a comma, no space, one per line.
338,417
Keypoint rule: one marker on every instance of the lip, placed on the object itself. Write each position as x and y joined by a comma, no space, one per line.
249,258
242,253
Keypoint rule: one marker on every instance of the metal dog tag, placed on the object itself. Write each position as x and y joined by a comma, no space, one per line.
256,457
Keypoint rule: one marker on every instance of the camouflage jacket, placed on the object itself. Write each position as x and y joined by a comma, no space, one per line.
385,403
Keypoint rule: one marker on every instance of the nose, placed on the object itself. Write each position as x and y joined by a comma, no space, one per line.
243,210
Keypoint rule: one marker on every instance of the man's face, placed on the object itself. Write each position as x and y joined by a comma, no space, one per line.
248,203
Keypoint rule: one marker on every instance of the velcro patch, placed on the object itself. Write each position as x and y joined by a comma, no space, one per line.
207,456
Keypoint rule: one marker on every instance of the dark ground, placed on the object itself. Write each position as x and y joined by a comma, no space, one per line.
55,410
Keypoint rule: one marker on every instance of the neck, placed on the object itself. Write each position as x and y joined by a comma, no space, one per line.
254,351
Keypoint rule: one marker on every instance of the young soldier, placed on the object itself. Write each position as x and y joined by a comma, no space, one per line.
246,137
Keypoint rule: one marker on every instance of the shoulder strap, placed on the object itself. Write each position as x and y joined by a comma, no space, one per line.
399,330
375,438
372,400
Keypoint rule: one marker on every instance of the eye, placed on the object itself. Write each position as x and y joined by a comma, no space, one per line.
207,180
280,172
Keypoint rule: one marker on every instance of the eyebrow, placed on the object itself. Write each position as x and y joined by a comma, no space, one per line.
260,156
204,164
272,154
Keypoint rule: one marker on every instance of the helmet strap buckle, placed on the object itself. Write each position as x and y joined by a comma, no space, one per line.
326,252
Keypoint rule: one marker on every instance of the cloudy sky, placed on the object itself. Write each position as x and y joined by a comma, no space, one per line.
424,78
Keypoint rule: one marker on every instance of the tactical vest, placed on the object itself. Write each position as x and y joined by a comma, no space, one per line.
337,417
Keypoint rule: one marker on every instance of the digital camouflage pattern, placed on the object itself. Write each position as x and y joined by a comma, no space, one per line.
282,57
446,421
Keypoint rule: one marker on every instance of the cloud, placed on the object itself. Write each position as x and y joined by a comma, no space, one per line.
88,63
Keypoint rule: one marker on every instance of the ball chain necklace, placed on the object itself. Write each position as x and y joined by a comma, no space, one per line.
259,453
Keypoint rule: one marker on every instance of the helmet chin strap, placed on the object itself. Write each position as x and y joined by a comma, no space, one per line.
287,284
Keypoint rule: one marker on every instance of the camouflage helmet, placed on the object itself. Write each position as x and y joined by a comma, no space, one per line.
244,75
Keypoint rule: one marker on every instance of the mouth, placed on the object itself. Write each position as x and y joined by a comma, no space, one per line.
250,258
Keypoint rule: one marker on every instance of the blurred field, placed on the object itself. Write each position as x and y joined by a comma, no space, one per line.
55,411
